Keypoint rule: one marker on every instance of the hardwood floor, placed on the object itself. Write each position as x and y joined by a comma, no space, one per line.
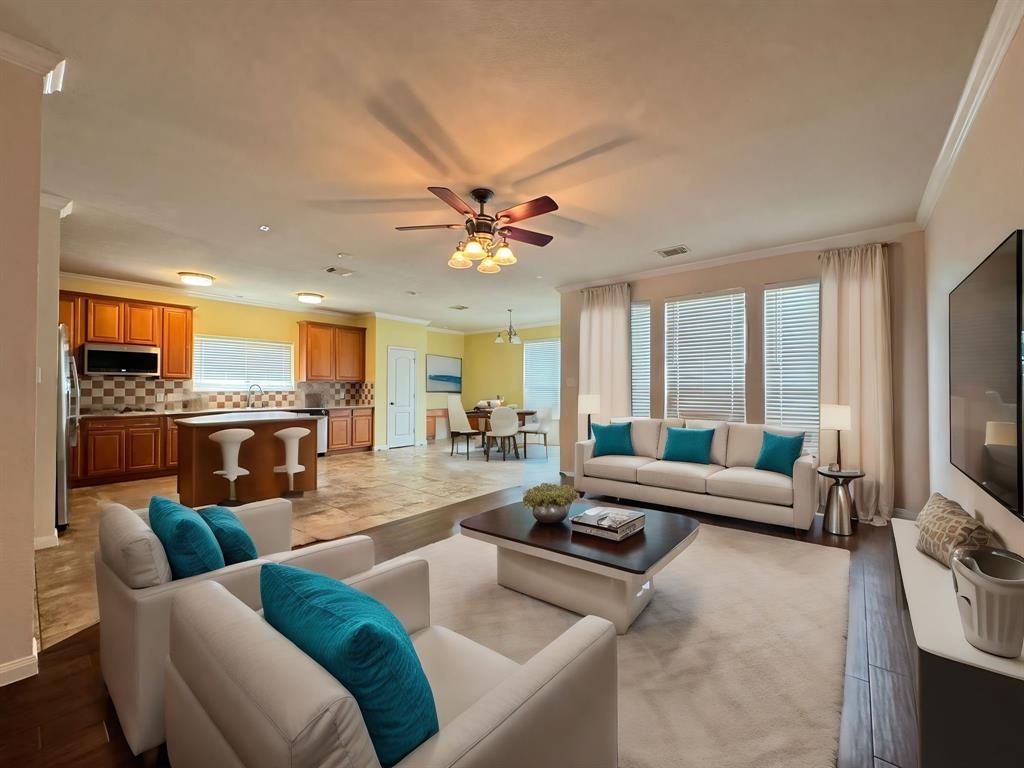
63,716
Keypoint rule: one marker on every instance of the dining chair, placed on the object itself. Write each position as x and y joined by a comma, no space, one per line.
458,424
504,428
540,424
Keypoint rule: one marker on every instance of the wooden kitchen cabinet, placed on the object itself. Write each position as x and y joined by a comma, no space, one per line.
69,313
142,323
331,352
339,429
362,427
143,442
170,442
176,343
104,450
104,320
349,354
316,352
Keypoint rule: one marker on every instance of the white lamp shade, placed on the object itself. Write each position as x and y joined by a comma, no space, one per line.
1000,433
835,417
588,404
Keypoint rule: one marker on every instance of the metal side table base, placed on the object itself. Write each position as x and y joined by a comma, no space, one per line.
840,508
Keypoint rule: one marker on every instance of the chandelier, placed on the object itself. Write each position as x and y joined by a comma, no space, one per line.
510,333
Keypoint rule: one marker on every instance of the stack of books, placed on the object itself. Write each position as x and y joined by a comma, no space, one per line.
608,523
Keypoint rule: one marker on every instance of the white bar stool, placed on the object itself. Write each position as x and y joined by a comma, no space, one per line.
230,442
290,437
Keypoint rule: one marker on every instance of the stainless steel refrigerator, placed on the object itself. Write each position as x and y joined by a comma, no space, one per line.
69,393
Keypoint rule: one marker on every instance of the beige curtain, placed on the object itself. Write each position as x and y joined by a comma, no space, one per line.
604,349
856,370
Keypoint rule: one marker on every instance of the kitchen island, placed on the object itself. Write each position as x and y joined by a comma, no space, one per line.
199,456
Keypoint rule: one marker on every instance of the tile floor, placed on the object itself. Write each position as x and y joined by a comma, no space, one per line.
355,491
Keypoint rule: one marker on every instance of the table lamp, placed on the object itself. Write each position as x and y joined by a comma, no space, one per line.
836,417
588,404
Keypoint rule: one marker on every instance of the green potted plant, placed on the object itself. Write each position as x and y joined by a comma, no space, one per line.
550,502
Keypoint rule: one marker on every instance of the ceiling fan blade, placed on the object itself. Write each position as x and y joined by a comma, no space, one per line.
430,226
527,210
453,200
526,236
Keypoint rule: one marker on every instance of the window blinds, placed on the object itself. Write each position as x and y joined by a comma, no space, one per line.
542,367
705,357
231,364
791,359
640,357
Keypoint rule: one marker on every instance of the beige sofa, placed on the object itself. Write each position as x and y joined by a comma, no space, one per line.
241,695
135,591
728,486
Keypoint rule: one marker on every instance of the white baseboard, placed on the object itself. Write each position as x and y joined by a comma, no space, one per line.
45,542
19,669
380,448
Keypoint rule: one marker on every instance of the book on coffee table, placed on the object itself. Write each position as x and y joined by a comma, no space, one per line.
608,522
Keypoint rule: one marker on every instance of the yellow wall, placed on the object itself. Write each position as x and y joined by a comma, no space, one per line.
394,333
491,369
452,345
223,318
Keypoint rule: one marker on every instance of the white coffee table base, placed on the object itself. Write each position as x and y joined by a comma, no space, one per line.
620,600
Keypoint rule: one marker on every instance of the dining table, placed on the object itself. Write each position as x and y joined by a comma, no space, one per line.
479,418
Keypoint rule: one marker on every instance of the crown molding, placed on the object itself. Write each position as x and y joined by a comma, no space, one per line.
28,55
1002,26
888,232
305,309
54,202
453,332
401,318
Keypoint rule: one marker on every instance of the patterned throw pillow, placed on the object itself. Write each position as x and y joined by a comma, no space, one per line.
944,526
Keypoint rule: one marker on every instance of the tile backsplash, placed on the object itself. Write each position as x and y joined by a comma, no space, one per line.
114,393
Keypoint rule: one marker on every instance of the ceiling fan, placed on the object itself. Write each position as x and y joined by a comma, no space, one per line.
487,235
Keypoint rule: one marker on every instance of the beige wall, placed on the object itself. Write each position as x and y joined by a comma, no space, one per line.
981,203
20,106
906,272
46,360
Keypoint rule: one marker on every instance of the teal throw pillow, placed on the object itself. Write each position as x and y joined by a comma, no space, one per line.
361,643
613,439
235,542
693,445
778,452
188,541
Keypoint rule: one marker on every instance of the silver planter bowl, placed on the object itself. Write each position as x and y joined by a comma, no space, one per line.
551,513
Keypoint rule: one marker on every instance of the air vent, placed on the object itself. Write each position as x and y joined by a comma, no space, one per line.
675,250
338,271
458,307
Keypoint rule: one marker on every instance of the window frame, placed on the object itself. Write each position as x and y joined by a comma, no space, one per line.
197,386
733,291
632,377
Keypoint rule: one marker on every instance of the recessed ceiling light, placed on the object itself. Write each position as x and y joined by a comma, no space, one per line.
410,293
343,255
458,307
195,278
264,228
309,298
540,277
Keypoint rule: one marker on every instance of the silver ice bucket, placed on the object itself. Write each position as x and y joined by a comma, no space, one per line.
989,586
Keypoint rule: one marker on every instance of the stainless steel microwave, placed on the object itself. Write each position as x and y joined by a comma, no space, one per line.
121,360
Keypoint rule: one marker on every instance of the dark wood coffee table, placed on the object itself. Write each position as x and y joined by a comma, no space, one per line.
585,574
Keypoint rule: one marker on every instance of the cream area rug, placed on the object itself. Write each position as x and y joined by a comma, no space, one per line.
737,661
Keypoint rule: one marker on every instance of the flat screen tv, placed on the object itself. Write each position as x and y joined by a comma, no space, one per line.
985,369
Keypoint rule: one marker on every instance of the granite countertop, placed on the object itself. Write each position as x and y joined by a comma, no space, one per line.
202,411
250,416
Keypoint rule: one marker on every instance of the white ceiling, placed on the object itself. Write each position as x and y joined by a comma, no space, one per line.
727,126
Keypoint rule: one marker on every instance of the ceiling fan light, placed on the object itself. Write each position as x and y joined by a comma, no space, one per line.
504,255
474,250
459,261
488,267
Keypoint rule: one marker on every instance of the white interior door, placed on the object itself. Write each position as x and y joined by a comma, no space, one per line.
401,397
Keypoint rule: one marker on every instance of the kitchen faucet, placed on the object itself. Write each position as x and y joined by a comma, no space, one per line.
249,397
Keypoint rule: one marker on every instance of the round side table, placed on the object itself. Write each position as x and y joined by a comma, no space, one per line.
840,508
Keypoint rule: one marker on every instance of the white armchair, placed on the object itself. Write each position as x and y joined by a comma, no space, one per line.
135,619
241,694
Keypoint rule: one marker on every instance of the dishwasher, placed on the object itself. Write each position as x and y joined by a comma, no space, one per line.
321,428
